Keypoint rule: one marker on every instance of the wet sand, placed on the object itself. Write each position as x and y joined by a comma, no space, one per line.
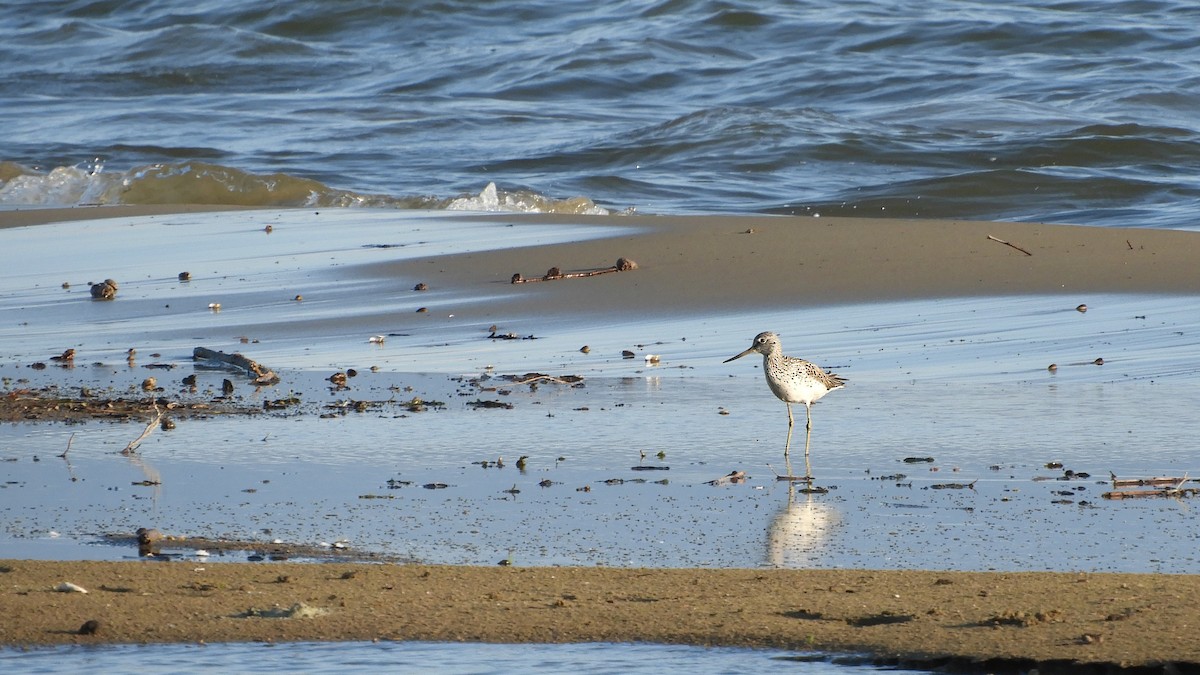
22,217
919,618
713,263
704,264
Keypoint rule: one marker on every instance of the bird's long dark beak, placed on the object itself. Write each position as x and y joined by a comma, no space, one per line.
735,358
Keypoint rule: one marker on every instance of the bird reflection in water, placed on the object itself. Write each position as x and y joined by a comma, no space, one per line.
799,534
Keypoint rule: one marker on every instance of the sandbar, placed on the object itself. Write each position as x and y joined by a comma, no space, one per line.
686,265
916,618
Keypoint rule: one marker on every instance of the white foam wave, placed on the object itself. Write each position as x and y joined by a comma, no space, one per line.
62,186
201,183
494,200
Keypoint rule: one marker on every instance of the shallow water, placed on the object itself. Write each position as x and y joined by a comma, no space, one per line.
425,657
963,381
1038,110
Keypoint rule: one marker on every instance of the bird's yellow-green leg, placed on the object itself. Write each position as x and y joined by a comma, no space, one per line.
788,446
807,437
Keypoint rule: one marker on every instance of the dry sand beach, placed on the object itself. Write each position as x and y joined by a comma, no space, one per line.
990,622
685,267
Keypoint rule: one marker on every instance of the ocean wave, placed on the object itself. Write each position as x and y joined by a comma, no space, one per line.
1031,111
524,201
89,184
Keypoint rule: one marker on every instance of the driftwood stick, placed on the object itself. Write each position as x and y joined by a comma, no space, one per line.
789,477
541,378
731,478
1162,486
1159,481
1160,492
70,469
260,373
64,452
1009,245
554,273
132,447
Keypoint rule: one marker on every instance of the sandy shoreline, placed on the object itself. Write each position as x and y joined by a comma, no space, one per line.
709,263
923,618
22,217
716,263
686,265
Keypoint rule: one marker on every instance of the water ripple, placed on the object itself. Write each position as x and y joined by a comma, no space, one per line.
1044,110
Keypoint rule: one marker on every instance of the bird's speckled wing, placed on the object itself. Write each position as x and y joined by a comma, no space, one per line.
819,374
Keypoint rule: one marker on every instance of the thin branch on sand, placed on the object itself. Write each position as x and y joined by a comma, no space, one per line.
554,273
1009,245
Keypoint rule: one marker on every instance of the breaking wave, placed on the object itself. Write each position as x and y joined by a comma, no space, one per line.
212,184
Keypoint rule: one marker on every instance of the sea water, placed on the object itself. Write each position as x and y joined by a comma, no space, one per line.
1039,110
1035,111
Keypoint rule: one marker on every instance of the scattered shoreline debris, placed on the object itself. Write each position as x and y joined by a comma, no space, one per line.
105,290
1159,486
132,447
298,610
260,373
148,541
531,378
67,357
555,273
731,478
508,336
954,486
808,489
481,403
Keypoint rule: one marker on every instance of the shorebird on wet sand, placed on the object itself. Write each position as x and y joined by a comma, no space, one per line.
793,380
